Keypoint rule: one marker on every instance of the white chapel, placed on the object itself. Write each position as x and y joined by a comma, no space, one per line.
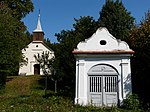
103,72
36,46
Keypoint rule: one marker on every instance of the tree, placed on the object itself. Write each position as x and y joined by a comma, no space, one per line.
19,8
46,64
84,28
28,38
9,43
116,19
12,39
140,42
8,46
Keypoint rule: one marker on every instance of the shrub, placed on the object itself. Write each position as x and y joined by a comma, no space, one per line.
131,102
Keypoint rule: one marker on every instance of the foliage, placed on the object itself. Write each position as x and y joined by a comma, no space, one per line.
46,63
29,37
33,100
84,27
116,19
19,8
131,102
10,46
140,43
2,79
13,37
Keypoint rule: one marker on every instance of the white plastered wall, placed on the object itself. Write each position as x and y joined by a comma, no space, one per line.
82,68
33,49
85,61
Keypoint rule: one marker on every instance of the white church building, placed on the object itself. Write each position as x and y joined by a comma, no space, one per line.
36,46
103,72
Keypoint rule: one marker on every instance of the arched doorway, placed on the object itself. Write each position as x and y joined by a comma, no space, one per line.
103,85
36,69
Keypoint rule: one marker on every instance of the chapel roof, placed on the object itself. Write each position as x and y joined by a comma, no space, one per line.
103,52
102,42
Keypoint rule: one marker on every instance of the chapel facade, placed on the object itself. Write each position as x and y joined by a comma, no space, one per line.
103,72
37,46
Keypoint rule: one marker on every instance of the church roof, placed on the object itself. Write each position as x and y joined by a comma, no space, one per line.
38,27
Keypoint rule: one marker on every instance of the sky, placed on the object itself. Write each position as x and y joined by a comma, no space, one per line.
58,15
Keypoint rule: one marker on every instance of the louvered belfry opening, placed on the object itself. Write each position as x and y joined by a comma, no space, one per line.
38,36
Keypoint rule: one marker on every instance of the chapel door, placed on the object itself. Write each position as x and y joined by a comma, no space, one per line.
36,69
95,89
103,87
110,88
103,90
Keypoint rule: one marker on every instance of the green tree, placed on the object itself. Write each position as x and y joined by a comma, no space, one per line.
83,28
13,38
19,8
7,43
46,64
28,38
140,43
116,19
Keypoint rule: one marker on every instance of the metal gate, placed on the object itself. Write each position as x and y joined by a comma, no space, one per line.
103,90
103,85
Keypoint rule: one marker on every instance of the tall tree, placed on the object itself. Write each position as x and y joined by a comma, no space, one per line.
116,19
84,27
140,42
13,38
20,8
10,43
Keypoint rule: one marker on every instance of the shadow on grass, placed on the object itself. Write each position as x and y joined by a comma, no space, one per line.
9,79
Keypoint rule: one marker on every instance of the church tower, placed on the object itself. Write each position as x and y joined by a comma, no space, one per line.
36,47
38,34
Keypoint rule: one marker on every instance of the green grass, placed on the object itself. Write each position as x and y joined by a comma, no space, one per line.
26,94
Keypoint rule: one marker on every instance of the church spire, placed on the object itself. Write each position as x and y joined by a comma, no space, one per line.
38,27
38,34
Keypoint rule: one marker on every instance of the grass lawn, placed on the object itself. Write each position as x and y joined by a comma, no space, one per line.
26,94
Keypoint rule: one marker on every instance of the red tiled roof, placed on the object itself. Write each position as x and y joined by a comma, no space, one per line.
103,52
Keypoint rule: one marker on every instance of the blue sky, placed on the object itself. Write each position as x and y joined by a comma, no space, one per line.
57,15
